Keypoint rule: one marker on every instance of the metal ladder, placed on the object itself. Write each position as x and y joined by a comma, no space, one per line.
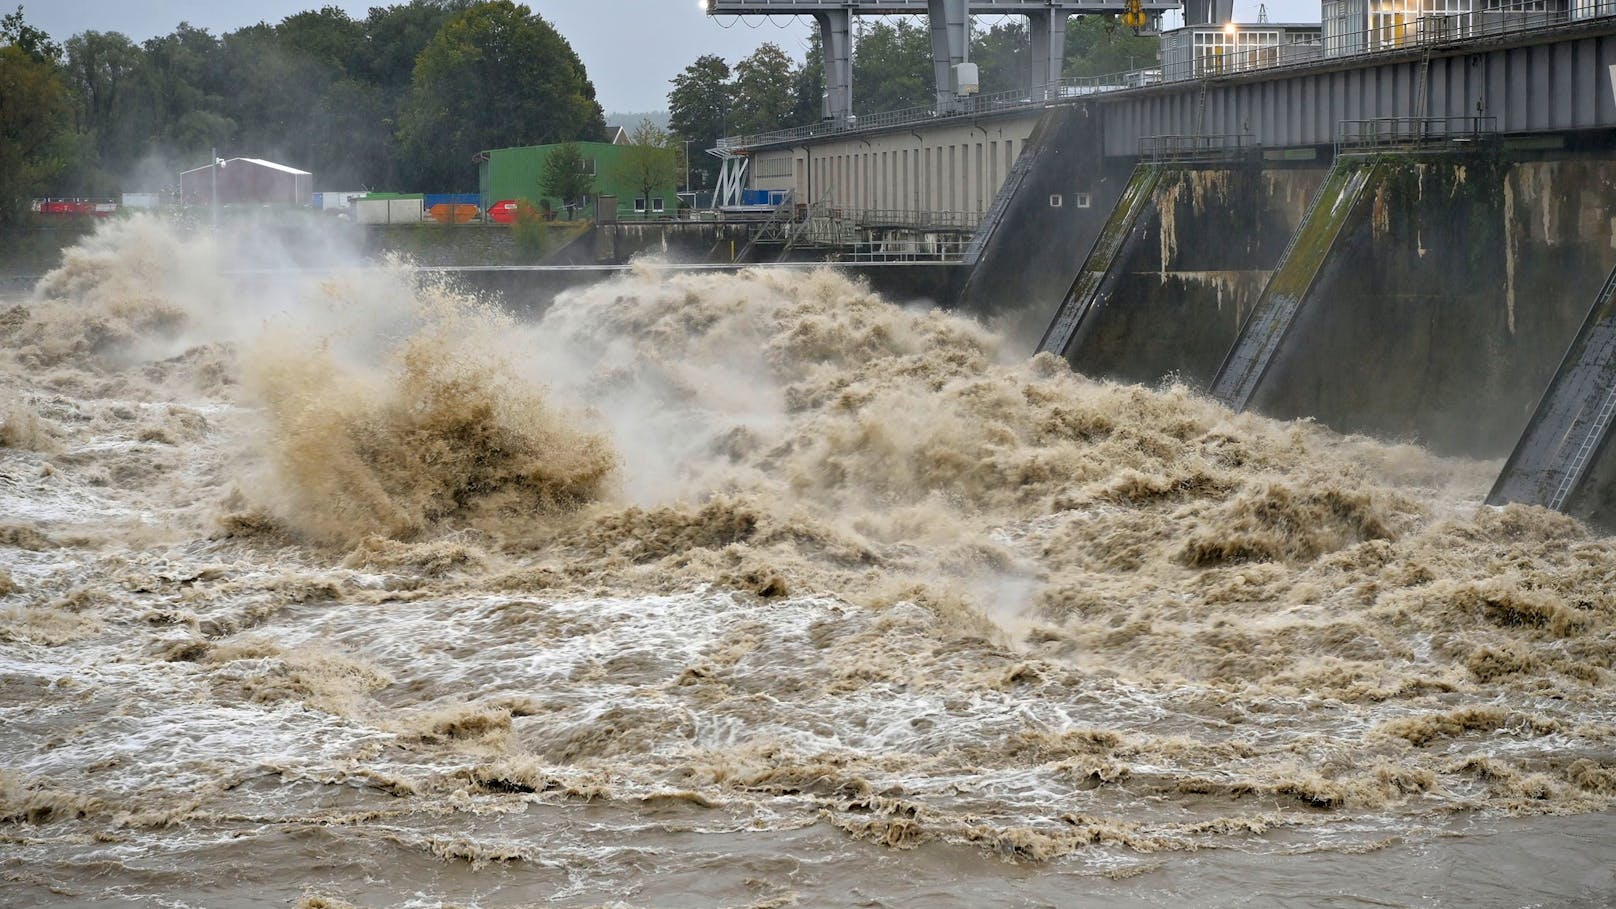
1571,420
1200,108
1590,441
1422,94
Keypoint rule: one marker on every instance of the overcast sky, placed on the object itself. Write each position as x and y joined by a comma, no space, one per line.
630,47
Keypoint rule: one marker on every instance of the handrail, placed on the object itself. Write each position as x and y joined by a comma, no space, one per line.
1411,132
1305,49
1193,148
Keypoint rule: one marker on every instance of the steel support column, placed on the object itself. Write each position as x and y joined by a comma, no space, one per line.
950,46
836,37
1048,30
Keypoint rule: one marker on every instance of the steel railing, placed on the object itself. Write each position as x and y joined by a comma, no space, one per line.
1300,50
1194,148
910,218
970,106
1389,133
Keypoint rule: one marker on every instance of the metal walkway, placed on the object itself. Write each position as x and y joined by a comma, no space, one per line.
1572,420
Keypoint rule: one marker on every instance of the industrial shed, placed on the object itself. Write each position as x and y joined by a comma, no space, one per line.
247,181
509,174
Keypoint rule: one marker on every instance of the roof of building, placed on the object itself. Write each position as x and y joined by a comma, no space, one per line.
482,156
258,161
617,135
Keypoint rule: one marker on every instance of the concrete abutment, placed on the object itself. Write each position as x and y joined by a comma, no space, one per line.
1423,296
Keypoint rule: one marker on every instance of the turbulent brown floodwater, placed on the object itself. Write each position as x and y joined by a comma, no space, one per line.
745,590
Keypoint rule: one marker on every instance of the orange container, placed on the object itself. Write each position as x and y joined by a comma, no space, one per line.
450,213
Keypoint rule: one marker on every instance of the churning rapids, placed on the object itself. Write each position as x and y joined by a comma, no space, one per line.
745,590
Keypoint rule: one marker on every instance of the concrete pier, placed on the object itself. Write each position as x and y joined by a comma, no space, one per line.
1178,269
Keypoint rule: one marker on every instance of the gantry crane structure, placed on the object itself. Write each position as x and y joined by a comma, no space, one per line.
950,34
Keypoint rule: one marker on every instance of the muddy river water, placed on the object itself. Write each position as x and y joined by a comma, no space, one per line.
741,591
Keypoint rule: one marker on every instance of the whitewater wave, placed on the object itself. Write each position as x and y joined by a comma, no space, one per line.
755,551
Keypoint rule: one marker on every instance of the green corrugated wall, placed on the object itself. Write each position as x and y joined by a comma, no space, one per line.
514,173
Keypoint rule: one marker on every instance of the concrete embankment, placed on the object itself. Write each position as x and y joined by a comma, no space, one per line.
530,289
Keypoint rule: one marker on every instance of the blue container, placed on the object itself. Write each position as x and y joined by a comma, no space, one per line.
431,199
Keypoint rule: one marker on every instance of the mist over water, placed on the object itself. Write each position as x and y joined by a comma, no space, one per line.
744,590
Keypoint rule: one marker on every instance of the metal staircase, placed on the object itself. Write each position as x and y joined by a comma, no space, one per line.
775,229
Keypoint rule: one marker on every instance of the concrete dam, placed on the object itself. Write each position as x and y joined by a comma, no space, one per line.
1417,244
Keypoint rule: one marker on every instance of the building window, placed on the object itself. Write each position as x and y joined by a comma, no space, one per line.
588,166
1223,51
772,166
656,204
639,205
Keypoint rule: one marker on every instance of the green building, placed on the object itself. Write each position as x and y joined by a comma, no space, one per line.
516,173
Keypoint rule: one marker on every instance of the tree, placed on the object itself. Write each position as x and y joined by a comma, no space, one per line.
892,67
697,107
36,139
180,92
396,35
494,75
649,164
31,41
567,177
1001,56
1097,45
105,71
762,98
808,84
327,38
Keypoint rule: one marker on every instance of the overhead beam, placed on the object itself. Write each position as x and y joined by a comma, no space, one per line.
922,7
1048,32
836,40
950,34
950,46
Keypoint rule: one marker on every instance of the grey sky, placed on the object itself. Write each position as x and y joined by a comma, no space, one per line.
631,47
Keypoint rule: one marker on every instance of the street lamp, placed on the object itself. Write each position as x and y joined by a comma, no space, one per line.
217,165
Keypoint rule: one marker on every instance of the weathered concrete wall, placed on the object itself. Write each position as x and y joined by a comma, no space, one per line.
1447,302
1595,499
1038,247
445,244
1571,426
605,244
675,241
28,252
531,290
1186,275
